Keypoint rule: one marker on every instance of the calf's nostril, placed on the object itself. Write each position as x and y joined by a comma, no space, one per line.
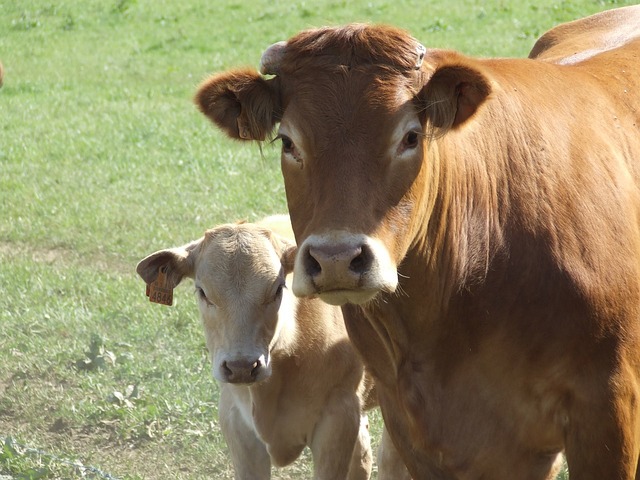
257,366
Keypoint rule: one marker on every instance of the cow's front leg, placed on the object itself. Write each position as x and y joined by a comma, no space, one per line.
390,465
603,432
249,454
339,441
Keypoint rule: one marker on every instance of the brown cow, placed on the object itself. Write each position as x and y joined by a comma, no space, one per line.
479,219
289,375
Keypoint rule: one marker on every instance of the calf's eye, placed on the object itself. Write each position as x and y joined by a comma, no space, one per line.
278,292
202,296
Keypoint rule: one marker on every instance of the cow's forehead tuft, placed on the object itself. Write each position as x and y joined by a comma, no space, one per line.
353,45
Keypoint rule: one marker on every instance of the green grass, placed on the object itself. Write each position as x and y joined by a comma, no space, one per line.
104,159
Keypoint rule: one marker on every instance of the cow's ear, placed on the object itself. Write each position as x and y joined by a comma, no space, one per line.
453,94
176,263
241,102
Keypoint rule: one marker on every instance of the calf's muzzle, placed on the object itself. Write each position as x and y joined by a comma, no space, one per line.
242,370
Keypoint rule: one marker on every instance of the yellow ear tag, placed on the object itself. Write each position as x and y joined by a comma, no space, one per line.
159,291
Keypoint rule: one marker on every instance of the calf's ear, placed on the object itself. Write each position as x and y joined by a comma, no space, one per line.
242,103
453,94
289,258
286,250
176,263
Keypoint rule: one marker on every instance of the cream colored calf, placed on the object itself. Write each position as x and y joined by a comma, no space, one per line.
289,375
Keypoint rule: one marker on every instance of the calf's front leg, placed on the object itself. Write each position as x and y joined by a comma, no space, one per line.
249,454
340,445
390,465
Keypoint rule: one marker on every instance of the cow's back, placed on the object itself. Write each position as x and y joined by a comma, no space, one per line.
280,225
575,41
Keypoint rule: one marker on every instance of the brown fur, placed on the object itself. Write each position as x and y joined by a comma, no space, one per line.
513,225
239,99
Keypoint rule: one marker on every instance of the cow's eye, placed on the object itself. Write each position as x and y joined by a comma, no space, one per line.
410,140
202,296
287,144
290,150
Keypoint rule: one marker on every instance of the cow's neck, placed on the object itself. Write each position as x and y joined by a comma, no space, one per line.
457,236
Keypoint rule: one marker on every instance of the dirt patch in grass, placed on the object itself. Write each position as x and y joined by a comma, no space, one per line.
103,262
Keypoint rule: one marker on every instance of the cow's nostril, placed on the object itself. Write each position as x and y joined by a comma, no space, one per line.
225,368
361,263
311,265
357,264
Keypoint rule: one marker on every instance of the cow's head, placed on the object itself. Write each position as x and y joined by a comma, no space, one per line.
358,108
239,272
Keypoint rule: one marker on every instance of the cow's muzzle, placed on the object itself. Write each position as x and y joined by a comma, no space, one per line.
342,267
350,262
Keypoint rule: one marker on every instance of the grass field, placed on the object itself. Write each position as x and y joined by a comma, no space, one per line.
104,159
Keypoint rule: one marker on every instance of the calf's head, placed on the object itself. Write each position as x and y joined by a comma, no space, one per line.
239,273
357,108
